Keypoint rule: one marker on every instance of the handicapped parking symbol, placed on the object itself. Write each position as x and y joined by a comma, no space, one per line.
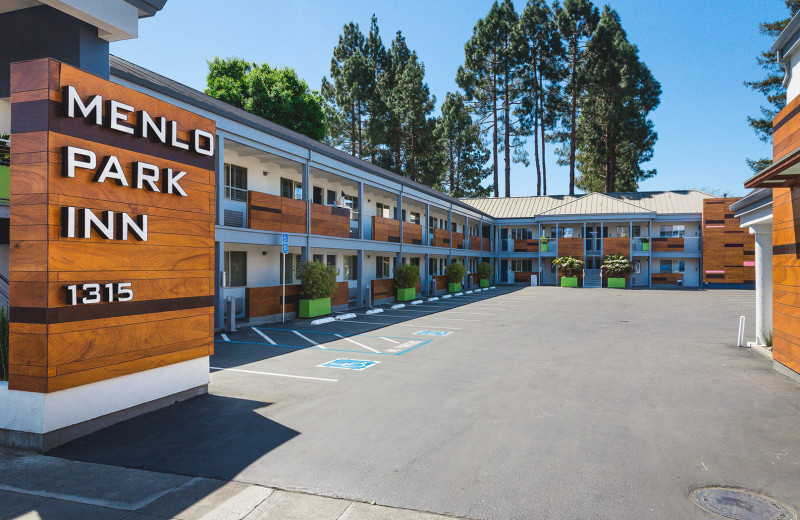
349,364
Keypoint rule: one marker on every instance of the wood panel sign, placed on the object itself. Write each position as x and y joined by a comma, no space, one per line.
112,230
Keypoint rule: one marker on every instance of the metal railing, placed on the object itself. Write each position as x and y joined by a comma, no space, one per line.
5,152
235,194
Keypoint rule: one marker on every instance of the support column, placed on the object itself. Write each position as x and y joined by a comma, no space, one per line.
426,269
650,257
763,234
361,283
305,253
399,259
220,194
219,304
361,211
450,229
426,231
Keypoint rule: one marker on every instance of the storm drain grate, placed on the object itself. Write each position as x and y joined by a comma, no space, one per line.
741,505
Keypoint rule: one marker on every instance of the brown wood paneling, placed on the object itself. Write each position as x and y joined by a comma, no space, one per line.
570,247
273,213
54,345
659,244
266,301
523,276
526,246
458,240
441,238
786,276
385,229
728,249
666,278
412,233
440,282
330,221
617,246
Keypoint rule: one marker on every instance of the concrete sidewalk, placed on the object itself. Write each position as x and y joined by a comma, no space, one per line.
49,488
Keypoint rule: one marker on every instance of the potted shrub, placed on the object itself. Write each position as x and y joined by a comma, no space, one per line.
571,266
616,267
317,285
484,274
645,243
405,281
543,244
455,274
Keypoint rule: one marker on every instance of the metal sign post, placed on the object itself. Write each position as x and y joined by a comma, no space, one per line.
284,251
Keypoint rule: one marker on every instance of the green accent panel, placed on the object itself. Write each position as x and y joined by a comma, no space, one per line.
616,283
485,283
454,287
5,182
646,247
403,295
569,281
314,308
543,248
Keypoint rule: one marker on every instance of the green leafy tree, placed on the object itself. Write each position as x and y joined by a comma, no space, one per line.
771,86
576,22
276,94
465,153
614,135
542,53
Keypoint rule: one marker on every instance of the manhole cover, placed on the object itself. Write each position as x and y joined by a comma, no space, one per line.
741,505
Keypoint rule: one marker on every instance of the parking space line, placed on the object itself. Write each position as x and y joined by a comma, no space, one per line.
357,343
389,340
225,337
263,335
274,374
397,324
309,340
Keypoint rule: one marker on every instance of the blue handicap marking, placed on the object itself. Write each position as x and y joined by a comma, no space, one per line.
285,249
432,333
349,364
285,238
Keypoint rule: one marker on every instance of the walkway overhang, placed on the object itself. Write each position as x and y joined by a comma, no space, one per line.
784,173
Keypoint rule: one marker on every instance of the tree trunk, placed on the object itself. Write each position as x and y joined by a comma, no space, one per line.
360,135
507,134
573,118
412,166
536,117
397,166
544,158
494,137
452,171
353,129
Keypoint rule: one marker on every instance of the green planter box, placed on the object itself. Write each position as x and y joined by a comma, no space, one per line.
569,281
543,248
484,283
314,308
616,283
404,295
454,287
646,247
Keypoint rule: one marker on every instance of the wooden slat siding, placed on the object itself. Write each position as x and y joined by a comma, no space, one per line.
786,277
666,278
384,288
441,282
526,246
726,245
330,221
55,346
266,301
659,244
441,237
474,279
617,246
570,247
273,213
523,276
486,244
458,240
786,131
412,233
385,229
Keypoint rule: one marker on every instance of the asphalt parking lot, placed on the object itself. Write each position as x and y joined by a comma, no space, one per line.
536,402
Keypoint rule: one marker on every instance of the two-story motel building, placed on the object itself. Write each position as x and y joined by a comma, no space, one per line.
364,220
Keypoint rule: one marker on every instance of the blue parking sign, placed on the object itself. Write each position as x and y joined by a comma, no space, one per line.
285,249
349,364
285,238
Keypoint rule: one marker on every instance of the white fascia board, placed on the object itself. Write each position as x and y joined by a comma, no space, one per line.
755,216
115,19
679,217
609,217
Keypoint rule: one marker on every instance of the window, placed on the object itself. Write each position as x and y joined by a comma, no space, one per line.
235,268
673,231
235,183
622,231
331,197
414,260
291,189
637,231
316,258
317,194
567,232
521,266
414,218
331,260
382,267
350,268
520,233
672,266
637,267
383,210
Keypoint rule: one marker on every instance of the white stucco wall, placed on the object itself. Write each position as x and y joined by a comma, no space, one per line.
793,89
5,116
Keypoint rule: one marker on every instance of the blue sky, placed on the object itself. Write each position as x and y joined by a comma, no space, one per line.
701,52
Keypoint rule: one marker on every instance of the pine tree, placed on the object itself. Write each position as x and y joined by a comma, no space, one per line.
542,53
349,92
771,86
613,134
464,152
576,21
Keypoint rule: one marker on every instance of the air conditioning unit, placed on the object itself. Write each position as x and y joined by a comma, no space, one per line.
234,218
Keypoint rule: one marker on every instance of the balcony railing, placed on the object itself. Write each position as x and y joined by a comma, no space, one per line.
237,194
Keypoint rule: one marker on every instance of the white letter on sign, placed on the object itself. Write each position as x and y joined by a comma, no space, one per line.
115,117
70,161
144,173
110,168
170,182
71,101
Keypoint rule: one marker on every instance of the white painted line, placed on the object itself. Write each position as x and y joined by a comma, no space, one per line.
434,299
321,321
446,296
309,340
225,337
402,324
704,465
345,316
398,305
357,343
274,374
416,302
448,319
389,340
374,311
263,335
